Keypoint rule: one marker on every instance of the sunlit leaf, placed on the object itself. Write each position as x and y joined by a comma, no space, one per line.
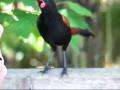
75,20
36,43
79,9
25,25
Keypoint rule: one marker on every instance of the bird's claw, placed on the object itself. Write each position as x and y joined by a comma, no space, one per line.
46,69
64,72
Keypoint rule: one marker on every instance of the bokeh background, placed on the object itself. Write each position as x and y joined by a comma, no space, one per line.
23,47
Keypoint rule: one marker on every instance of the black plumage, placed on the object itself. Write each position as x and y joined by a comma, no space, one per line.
55,31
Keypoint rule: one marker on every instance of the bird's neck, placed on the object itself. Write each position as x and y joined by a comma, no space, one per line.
49,11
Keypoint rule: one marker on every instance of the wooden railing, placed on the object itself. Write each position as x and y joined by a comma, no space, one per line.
77,79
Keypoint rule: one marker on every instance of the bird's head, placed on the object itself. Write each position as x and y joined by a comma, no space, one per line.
47,4
42,3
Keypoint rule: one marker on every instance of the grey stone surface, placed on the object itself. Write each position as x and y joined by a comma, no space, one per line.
91,78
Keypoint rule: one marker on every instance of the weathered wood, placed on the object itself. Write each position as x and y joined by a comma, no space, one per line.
77,79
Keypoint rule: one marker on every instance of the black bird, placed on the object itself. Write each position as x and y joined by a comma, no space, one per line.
56,32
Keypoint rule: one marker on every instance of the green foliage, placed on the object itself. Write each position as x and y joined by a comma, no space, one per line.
79,9
25,25
19,20
75,20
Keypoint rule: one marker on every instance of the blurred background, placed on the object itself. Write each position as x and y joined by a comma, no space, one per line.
23,47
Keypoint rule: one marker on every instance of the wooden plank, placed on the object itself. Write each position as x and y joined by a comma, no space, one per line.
77,79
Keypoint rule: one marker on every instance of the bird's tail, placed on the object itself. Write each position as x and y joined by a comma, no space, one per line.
84,33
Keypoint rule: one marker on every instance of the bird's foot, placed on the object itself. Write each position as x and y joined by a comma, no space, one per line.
64,72
46,69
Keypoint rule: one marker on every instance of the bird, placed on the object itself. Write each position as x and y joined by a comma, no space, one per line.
55,30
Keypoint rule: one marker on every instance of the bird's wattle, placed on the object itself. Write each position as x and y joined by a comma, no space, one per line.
42,5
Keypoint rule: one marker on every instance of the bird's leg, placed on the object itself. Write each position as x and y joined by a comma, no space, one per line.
47,67
62,60
60,55
64,71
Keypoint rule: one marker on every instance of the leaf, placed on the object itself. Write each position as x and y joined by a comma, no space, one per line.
76,40
7,1
25,25
79,9
35,43
26,4
75,20
5,18
32,3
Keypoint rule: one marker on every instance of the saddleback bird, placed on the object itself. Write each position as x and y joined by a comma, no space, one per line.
56,31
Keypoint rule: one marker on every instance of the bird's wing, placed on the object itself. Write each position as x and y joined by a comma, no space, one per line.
84,33
76,31
65,20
